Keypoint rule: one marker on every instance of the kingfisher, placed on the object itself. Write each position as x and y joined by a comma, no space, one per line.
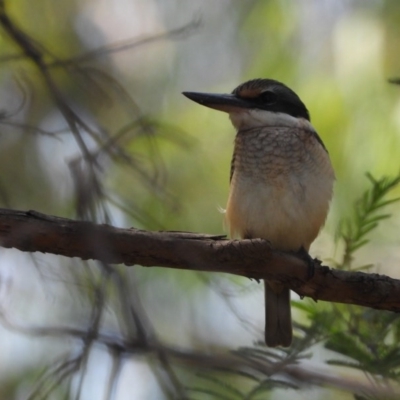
281,180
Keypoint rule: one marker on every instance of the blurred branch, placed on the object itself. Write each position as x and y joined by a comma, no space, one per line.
247,361
128,44
87,169
395,81
32,231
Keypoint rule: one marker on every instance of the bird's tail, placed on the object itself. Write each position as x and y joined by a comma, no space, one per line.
278,319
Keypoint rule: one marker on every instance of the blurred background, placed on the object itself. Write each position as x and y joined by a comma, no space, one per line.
97,129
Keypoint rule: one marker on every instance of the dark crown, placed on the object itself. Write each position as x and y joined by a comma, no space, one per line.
271,95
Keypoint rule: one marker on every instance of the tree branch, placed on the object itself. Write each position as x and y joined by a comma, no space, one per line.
301,372
35,232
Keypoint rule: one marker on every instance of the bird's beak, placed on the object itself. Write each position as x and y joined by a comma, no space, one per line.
221,102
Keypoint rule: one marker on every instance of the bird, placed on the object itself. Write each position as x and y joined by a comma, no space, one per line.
281,180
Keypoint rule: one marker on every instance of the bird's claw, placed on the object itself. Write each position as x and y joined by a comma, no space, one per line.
304,255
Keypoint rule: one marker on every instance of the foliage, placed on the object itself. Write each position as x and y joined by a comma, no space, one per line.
367,213
368,339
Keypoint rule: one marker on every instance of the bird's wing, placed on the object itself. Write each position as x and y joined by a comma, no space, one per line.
232,165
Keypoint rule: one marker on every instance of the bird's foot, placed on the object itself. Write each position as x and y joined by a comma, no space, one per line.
304,255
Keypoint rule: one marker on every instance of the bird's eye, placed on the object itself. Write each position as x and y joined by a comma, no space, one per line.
268,97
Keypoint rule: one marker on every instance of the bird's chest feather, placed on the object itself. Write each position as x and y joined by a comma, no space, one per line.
281,186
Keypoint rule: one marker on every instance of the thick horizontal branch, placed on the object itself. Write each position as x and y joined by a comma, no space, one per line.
35,232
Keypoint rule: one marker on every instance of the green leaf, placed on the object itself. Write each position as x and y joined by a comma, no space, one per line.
354,230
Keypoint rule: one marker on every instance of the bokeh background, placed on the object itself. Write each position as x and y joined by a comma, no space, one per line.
121,65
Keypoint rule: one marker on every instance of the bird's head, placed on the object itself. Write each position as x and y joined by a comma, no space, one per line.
257,103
